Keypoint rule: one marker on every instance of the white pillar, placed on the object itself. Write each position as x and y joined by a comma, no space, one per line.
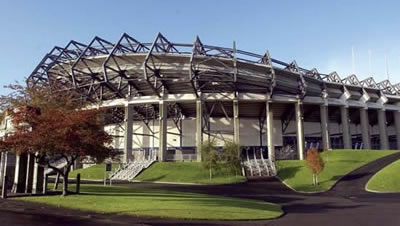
2,166
162,147
364,121
383,138
128,133
236,123
270,131
344,114
199,128
300,129
324,127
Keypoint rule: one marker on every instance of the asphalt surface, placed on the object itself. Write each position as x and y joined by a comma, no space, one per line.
347,203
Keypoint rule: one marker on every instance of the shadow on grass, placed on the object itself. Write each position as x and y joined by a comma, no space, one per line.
288,172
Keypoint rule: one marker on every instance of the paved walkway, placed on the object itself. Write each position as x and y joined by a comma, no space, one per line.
346,204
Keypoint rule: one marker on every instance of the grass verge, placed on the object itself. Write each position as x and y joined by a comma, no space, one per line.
95,172
160,203
386,180
337,164
187,172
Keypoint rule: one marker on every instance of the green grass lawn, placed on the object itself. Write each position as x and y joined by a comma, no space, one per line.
337,164
159,203
95,172
386,180
187,172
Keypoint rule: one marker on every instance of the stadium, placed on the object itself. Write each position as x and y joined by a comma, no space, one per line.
164,99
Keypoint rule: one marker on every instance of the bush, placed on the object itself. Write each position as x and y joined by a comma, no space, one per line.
231,156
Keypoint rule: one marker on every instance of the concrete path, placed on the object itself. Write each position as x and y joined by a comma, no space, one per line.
346,204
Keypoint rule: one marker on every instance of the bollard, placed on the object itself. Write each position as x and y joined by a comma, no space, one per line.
4,188
78,183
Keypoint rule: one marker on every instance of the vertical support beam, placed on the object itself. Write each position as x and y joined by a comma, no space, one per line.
364,121
397,127
3,170
20,174
2,166
162,147
199,128
236,123
128,133
45,183
384,142
38,176
270,131
29,172
323,109
300,129
344,114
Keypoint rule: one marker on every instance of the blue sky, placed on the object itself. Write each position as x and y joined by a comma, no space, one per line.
314,33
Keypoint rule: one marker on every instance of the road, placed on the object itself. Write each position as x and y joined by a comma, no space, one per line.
347,203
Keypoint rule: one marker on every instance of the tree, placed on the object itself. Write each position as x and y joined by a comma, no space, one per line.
231,156
54,126
315,163
209,156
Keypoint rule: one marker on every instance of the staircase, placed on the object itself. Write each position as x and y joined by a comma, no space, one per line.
258,167
131,169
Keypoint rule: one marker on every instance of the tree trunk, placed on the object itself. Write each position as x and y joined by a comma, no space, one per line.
210,174
316,179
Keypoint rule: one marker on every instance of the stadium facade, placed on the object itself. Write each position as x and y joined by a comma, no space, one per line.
166,99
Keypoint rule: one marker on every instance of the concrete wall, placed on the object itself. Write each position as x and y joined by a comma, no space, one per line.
221,130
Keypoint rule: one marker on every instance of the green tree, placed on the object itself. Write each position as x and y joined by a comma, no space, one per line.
210,156
231,156
315,163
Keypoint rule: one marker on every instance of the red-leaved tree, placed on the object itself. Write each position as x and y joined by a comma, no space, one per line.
315,163
52,127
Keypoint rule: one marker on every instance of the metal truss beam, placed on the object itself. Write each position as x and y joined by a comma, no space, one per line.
301,83
267,60
387,87
81,68
126,44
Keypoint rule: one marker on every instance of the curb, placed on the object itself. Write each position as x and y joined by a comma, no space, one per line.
337,181
379,192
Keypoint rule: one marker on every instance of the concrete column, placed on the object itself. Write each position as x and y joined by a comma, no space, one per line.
383,138
128,133
324,127
20,174
3,170
364,121
162,147
300,129
344,114
29,172
236,123
37,182
38,175
199,128
397,127
270,132
2,166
